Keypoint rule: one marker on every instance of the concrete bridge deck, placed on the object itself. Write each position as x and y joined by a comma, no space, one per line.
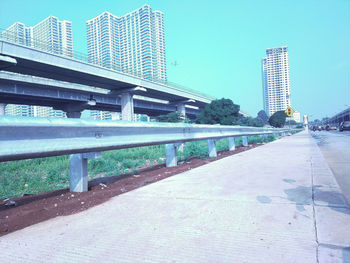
275,203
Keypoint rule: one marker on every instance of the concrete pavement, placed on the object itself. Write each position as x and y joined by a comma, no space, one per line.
275,203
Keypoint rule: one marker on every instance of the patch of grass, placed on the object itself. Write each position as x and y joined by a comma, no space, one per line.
45,174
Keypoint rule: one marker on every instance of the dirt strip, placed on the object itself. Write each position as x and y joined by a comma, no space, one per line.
32,209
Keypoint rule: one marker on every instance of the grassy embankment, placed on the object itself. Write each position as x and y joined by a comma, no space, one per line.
34,176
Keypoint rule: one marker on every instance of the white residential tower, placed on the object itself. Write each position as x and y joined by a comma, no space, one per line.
133,43
51,35
275,80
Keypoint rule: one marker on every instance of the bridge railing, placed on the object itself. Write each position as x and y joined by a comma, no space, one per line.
24,138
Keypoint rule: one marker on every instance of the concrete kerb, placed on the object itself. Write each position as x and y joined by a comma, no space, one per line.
331,212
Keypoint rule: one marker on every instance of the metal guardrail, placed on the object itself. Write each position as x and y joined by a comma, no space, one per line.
24,138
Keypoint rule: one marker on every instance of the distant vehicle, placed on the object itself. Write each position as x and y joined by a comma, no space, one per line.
319,128
344,126
327,127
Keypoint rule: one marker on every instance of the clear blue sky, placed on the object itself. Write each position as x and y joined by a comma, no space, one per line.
218,45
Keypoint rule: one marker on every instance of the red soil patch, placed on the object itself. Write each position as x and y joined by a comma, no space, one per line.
33,209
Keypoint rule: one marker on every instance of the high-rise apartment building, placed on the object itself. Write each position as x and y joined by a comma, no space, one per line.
51,35
275,80
133,43
55,35
33,111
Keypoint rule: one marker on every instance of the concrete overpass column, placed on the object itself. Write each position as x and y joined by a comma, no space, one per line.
231,144
2,108
127,104
180,108
245,140
114,116
170,154
212,148
73,114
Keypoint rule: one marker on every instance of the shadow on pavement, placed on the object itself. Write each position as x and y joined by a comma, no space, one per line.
302,195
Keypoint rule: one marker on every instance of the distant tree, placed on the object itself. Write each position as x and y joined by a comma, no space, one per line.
325,120
171,117
263,116
292,122
257,122
249,121
222,111
278,119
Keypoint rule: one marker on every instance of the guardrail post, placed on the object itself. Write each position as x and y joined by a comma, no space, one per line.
78,175
212,148
127,105
231,144
265,137
245,140
170,154
2,108
78,170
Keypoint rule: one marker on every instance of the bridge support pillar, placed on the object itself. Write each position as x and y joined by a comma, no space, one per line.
78,170
212,148
127,105
180,108
73,114
231,144
245,140
2,108
114,116
170,154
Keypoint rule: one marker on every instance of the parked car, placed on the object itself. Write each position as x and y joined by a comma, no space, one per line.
344,126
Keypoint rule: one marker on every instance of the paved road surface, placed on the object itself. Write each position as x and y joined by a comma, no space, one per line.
275,203
335,147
